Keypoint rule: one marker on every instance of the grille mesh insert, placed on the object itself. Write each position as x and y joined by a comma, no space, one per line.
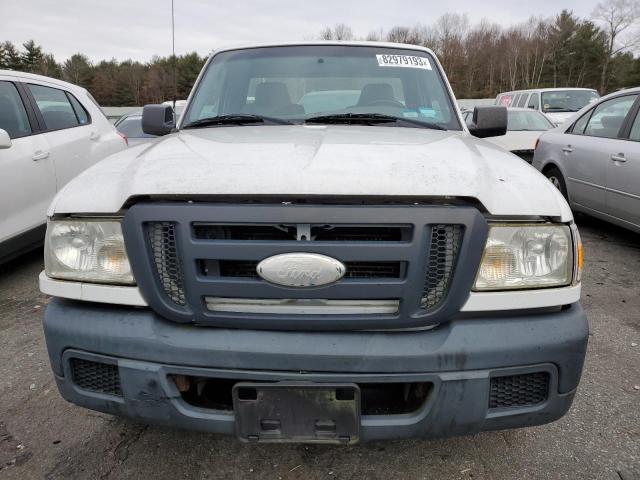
162,236
519,390
445,241
96,376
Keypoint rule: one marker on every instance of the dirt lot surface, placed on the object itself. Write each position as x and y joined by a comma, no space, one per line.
42,436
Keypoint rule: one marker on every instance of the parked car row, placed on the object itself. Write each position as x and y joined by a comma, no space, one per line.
61,130
329,193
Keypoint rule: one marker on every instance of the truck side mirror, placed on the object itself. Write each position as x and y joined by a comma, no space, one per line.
488,122
158,119
5,139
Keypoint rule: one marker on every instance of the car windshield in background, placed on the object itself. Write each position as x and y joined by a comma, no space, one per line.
336,83
567,100
527,120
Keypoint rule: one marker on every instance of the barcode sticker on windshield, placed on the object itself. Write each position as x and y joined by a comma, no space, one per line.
407,61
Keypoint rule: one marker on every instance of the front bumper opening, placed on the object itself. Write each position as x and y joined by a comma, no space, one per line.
513,391
376,398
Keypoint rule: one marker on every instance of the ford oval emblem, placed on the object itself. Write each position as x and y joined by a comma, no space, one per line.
301,269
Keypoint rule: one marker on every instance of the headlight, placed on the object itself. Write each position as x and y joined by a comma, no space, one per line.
91,251
526,256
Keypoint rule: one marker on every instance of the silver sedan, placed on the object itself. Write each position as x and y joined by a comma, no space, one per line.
594,159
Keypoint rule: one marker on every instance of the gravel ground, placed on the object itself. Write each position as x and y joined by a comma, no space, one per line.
42,436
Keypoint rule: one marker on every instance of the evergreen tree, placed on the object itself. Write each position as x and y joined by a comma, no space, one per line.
12,58
49,67
78,70
31,57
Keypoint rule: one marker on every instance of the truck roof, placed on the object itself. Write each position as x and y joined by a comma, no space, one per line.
347,43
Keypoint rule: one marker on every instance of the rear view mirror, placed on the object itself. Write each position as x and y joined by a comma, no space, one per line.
157,119
5,139
488,122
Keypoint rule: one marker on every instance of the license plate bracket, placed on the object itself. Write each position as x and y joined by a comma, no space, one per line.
298,412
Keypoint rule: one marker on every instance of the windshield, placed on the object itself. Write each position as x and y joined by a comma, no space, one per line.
300,82
567,100
518,121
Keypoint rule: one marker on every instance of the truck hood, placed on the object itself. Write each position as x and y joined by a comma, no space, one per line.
339,160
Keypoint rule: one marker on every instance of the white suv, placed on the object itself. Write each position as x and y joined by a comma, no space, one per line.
50,131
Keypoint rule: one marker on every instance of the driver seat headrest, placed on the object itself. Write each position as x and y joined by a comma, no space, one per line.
376,92
272,95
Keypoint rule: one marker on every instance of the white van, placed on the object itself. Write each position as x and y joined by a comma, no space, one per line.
557,103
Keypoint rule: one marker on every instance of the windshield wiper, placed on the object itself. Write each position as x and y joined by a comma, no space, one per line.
236,119
371,119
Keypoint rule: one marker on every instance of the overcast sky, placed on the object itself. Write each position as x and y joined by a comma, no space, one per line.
139,29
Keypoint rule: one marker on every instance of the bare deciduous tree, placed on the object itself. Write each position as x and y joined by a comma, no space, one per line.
340,31
486,58
619,19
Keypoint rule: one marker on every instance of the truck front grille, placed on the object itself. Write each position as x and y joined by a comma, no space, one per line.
408,255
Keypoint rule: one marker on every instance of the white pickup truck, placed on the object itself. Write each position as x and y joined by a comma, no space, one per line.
365,270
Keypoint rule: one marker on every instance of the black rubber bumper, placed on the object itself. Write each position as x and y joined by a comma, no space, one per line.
458,358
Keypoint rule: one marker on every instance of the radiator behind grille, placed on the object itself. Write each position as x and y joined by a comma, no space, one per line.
320,233
247,269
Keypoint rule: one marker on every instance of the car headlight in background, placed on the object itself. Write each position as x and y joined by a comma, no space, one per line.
527,256
87,250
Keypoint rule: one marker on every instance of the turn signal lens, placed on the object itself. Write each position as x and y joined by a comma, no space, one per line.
498,263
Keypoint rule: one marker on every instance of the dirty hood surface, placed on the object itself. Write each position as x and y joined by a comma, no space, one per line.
343,160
